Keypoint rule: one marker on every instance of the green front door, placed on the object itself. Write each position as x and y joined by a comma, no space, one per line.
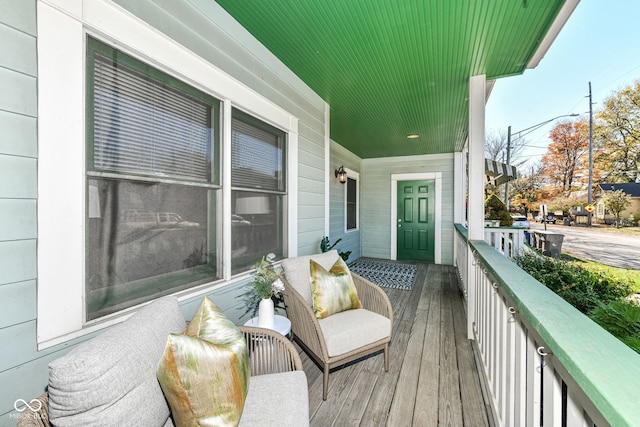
416,214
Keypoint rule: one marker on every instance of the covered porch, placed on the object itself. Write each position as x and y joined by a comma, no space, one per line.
432,378
472,340
533,359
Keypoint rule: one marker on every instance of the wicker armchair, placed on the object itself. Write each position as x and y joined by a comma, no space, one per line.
269,353
342,337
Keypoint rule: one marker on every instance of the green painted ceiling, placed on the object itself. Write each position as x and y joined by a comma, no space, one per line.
390,68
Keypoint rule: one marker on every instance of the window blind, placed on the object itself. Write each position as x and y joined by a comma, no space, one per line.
143,126
256,157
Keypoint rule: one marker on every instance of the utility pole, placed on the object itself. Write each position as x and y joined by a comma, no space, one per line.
589,189
506,184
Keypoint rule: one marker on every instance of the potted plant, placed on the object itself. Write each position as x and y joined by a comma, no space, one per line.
326,246
265,291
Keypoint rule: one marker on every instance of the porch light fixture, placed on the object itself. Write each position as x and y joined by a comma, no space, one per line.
341,174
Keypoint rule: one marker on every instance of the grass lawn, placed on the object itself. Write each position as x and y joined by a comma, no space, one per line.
622,273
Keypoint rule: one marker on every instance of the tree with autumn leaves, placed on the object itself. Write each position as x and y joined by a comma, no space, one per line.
563,172
617,136
564,163
616,146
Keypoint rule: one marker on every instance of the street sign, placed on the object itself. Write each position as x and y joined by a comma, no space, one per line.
590,208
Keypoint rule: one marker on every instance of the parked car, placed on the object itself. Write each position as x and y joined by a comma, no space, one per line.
521,221
548,219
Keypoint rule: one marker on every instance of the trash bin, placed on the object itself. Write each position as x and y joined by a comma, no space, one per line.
550,244
567,221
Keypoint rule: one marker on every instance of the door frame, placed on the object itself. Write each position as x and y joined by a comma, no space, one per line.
418,176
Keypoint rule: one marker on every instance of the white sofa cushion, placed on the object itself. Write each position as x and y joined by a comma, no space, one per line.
111,379
297,271
277,400
352,329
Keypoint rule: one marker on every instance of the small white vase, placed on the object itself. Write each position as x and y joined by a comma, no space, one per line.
265,313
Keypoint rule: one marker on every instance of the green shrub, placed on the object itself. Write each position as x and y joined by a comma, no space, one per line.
496,209
597,294
622,319
581,288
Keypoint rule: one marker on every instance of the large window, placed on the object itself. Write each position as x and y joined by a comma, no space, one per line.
152,183
259,189
154,194
142,118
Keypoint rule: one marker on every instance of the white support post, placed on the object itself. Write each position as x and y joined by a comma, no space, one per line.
459,187
475,211
476,156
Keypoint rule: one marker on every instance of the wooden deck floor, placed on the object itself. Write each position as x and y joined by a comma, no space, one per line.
432,378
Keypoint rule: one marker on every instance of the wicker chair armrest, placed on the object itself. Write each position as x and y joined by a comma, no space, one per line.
372,297
270,352
32,418
304,324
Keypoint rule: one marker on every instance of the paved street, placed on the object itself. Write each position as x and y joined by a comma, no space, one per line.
598,244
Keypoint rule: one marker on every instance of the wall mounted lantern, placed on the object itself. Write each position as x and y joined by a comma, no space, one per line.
341,174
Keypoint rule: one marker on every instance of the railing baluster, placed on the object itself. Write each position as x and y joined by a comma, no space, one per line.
520,375
534,383
503,354
507,241
551,395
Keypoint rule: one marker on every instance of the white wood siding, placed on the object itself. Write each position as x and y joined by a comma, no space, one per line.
340,156
376,203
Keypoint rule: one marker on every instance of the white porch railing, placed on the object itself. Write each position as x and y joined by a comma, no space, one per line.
544,362
508,241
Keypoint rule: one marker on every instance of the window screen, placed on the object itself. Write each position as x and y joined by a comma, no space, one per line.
152,196
258,196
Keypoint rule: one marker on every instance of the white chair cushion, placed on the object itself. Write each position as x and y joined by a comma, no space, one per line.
298,273
352,329
277,400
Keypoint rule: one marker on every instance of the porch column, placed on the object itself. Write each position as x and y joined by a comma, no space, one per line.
459,187
475,212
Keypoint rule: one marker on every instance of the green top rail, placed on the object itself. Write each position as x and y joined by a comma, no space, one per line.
606,370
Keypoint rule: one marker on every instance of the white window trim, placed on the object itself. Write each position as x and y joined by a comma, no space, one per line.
353,175
63,26
437,176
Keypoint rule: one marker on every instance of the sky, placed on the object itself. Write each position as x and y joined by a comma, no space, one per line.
600,43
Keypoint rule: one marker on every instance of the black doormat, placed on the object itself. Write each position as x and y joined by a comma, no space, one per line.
388,274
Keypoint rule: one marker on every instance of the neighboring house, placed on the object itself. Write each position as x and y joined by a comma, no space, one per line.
176,113
630,188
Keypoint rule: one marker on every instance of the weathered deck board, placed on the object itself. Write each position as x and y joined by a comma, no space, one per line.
450,408
404,319
432,378
426,413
